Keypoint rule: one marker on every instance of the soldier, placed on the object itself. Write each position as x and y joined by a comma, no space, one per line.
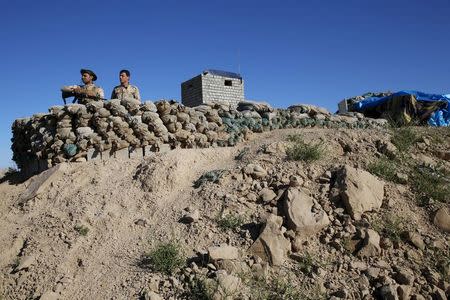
85,93
125,90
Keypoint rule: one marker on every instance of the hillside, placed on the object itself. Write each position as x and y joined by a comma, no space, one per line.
366,218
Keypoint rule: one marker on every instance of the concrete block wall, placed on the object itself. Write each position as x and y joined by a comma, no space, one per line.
191,92
208,88
215,90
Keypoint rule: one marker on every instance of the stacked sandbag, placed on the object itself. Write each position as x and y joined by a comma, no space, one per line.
155,125
71,132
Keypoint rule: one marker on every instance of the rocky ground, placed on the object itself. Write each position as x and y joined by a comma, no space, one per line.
364,215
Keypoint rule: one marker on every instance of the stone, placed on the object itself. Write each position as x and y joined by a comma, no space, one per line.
223,252
191,217
141,222
274,148
445,155
359,190
152,296
267,195
256,171
401,177
371,244
295,181
438,294
39,183
388,292
442,219
404,277
387,148
49,295
228,284
416,240
404,292
373,272
25,263
271,245
298,209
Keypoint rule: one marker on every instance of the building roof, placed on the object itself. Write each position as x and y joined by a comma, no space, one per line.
223,73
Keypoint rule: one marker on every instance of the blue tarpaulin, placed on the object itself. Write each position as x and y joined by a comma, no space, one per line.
440,117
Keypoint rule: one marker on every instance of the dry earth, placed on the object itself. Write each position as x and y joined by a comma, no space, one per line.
130,206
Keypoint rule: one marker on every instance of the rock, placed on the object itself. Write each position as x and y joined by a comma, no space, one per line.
228,284
404,277
39,183
438,294
271,245
274,148
387,148
25,263
404,291
49,295
298,209
152,296
371,244
141,222
267,195
442,219
388,292
223,252
359,190
443,155
295,181
401,177
416,240
373,272
256,171
191,217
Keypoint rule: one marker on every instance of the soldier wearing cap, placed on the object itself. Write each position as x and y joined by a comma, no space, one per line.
125,90
85,93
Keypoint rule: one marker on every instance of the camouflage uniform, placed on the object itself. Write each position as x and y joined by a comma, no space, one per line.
92,88
121,92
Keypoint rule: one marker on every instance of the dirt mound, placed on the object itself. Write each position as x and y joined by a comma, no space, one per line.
81,230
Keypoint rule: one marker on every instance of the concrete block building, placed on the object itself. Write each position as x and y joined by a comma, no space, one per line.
213,86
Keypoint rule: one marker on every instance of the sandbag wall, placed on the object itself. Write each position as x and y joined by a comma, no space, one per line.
103,129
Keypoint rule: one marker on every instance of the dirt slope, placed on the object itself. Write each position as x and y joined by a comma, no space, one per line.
128,206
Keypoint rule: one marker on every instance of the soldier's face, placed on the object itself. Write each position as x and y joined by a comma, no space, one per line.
86,78
124,79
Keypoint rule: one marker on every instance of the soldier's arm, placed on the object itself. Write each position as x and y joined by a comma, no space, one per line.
113,94
137,95
101,93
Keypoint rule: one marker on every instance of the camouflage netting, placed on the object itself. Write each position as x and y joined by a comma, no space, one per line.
73,132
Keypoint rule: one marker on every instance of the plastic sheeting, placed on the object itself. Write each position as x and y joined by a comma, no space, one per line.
440,117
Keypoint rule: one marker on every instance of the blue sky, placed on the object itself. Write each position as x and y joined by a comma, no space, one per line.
289,52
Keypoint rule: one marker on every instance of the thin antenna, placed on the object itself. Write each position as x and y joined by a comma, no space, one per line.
239,61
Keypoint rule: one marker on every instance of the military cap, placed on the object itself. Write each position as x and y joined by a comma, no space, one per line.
82,71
